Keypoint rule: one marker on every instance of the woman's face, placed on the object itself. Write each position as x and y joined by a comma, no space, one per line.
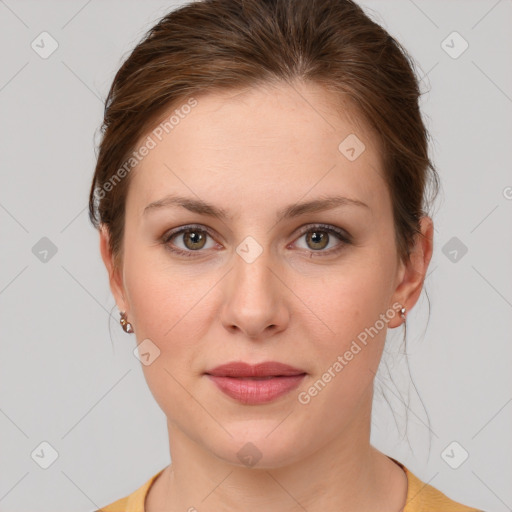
264,282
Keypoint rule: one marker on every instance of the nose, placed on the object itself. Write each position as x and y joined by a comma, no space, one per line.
255,298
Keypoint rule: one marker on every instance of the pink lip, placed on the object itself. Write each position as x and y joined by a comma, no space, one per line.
256,384
265,369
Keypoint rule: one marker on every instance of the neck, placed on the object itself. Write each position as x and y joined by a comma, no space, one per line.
347,470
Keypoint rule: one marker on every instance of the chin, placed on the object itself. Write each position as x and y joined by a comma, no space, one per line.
257,449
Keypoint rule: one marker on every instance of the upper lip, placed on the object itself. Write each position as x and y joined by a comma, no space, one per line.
265,369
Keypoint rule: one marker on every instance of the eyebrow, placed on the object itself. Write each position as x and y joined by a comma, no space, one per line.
294,210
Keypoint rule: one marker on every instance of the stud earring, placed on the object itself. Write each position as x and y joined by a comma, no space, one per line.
402,312
127,326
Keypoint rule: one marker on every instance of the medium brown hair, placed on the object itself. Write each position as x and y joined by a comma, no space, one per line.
214,45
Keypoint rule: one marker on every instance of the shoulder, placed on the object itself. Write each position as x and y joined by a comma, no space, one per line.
120,505
134,502
422,497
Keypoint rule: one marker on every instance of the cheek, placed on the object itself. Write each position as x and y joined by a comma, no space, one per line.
345,322
161,296
165,310
351,298
172,307
348,356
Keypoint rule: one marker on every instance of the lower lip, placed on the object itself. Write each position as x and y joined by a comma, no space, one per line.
251,391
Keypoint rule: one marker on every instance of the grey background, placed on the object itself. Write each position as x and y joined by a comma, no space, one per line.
67,372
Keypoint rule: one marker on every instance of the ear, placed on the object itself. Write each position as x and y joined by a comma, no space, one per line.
413,272
114,273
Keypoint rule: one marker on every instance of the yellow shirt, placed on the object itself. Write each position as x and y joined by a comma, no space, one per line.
421,497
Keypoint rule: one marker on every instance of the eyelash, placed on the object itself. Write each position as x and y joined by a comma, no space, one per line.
344,238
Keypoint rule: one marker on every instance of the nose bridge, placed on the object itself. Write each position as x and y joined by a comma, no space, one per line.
254,302
252,271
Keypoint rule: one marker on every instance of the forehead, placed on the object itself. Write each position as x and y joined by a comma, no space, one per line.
260,143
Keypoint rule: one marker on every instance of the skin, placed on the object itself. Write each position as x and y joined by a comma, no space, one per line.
252,152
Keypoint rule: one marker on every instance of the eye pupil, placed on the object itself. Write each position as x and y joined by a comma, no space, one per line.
195,237
318,238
